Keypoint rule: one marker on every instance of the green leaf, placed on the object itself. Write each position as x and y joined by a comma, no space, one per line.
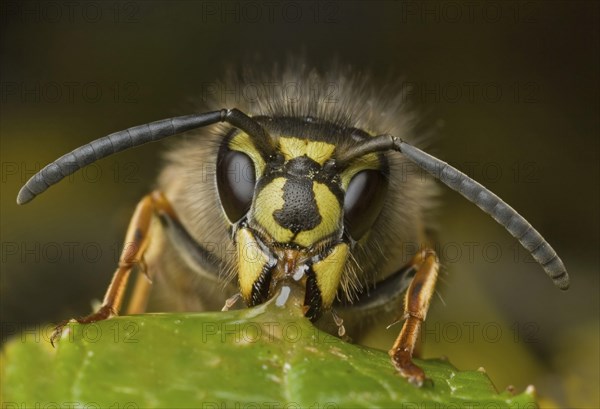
264,357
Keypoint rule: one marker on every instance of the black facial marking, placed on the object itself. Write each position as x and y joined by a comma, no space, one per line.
300,211
312,297
260,288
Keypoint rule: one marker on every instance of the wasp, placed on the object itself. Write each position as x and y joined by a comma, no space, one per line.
307,189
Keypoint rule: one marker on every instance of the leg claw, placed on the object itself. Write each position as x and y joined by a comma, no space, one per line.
402,361
103,313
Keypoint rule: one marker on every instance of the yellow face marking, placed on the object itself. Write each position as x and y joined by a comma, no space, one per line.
243,143
368,161
330,211
251,261
291,148
268,201
329,271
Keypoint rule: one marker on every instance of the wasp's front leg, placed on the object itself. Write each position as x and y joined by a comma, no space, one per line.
137,240
416,304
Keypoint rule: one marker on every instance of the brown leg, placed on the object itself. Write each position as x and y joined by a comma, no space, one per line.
136,243
416,304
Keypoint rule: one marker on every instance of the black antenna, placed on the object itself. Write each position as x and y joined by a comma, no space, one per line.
487,201
136,136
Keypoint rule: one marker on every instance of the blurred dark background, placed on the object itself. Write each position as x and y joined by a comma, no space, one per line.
511,89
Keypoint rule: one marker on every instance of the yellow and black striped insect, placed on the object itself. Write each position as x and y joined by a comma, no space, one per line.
305,188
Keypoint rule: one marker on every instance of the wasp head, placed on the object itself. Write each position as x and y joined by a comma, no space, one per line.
295,212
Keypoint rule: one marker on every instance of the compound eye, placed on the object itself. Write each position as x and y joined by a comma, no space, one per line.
363,202
236,179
